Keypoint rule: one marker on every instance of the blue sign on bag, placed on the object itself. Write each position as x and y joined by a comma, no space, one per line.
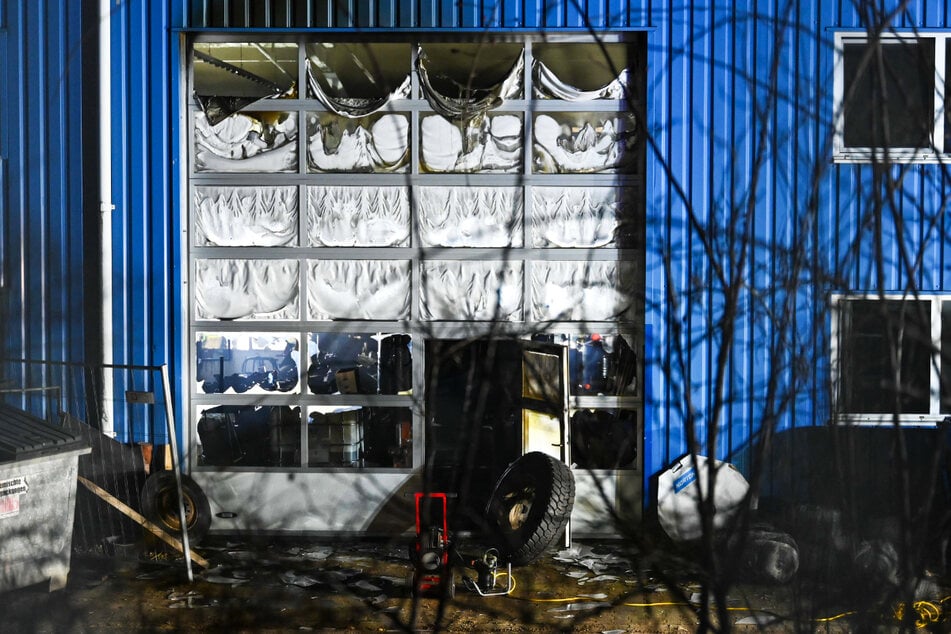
684,481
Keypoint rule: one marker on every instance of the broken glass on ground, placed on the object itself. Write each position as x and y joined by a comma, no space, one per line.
581,606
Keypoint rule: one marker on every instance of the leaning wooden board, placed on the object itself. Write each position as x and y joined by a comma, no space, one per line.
123,508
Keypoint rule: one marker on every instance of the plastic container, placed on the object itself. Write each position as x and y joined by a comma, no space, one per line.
38,468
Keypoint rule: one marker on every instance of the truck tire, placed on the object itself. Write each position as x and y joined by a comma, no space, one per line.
530,506
159,501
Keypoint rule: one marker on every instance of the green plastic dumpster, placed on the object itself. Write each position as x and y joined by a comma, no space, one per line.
38,465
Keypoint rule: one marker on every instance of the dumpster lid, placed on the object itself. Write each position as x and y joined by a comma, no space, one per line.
23,435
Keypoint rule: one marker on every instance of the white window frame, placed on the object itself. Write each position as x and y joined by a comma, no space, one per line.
934,415
934,154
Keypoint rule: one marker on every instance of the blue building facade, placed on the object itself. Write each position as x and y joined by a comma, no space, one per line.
755,216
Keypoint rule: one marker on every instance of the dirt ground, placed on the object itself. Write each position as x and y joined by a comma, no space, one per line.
363,586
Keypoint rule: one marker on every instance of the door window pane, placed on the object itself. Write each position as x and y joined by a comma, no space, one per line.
580,72
491,143
584,142
249,436
376,143
343,216
245,216
359,72
236,363
374,437
604,439
360,363
264,142
470,216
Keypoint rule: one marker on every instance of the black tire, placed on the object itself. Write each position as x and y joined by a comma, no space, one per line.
159,500
530,506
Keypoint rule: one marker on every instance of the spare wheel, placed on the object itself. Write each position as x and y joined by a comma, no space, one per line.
530,506
159,500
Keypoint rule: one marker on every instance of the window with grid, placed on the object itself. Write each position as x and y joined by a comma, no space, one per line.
349,199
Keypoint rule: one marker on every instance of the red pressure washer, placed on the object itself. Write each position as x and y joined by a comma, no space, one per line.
432,549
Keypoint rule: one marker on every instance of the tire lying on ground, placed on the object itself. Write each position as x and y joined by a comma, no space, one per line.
159,501
529,507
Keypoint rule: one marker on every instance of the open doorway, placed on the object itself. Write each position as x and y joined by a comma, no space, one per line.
488,402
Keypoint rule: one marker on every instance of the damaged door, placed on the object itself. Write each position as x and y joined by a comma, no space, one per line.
544,399
489,402
544,407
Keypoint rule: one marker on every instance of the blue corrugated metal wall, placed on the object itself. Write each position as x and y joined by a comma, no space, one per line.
418,14
41,196
739,107
146,227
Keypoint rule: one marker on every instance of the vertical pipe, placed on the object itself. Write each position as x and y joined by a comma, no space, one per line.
105,208
176,469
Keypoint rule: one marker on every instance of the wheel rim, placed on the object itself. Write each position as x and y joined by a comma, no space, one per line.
519,507
168,511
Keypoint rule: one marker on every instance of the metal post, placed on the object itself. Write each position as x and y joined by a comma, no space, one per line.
173,444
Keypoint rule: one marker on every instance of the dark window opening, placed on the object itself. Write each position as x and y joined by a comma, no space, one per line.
889,94
886,357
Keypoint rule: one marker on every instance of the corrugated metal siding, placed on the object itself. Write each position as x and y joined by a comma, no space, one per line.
709,70
709,79
145,86
41,215
417,14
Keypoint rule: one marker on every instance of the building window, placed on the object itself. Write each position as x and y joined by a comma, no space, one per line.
891,357
889,97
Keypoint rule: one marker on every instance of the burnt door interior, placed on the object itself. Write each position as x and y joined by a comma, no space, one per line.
487,402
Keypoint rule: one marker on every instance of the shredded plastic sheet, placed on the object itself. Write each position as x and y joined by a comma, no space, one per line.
364,145
339,216
242,289
353,107
547,85
469,102
562,147
263,142
470,216
578,291
479,291
571,217
482,144
358,289
245,216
